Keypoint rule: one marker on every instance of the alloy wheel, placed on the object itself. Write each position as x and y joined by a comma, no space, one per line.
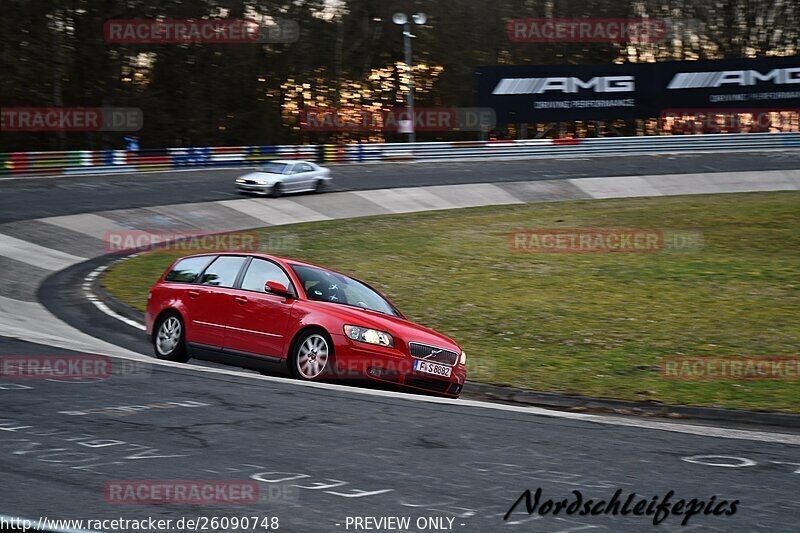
312,356
169,335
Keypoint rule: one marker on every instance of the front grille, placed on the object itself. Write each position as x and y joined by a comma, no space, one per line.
433,354
435,385
251,182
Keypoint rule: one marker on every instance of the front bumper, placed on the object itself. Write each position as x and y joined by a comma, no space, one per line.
254,188
359,361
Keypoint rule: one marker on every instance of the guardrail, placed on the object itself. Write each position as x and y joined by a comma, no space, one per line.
117,161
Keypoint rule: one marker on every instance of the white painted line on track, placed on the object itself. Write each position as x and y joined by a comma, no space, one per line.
704,431
92,297
91,224
35,254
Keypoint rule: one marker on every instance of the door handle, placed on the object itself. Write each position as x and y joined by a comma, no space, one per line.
240,300
194,294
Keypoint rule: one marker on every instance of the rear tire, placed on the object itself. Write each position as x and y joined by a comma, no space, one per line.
169,338
312,357
319,186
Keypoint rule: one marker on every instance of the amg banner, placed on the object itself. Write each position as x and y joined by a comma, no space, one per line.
636,90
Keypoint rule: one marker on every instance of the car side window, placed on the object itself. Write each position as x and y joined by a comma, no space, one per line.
303,167
223,271
187,270
260,272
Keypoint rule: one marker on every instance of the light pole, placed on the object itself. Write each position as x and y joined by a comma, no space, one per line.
401,19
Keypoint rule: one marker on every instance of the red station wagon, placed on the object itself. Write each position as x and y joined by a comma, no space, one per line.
279,315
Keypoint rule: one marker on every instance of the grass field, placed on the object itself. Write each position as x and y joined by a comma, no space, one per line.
590,323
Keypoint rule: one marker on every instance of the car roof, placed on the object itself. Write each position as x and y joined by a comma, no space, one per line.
287,161
286,260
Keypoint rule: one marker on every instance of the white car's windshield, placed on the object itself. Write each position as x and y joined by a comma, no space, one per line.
326,286
275,168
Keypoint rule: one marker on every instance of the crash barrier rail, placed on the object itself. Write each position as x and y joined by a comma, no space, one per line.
113,161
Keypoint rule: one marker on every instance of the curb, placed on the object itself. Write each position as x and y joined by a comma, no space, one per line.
116,305
574,403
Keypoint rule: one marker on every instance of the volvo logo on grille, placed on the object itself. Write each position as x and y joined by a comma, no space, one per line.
430,353
433,352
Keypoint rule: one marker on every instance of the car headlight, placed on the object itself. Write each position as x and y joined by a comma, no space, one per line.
463,359
370,336
261,182
239,180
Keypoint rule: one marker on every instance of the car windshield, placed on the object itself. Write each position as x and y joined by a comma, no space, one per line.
326,286
275,168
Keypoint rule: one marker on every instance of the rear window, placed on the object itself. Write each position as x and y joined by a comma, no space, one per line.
187,270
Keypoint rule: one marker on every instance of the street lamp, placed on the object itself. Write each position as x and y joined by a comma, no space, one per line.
401,19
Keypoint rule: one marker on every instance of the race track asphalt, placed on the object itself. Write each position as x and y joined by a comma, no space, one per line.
42,197
321,456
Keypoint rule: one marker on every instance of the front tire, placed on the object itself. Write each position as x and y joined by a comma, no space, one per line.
169,338
312,356
277,190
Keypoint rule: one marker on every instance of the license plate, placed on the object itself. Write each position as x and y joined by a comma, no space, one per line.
432,368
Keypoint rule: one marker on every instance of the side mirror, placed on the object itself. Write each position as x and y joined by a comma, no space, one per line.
278,288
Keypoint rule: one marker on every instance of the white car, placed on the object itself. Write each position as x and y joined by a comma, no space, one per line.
280,177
